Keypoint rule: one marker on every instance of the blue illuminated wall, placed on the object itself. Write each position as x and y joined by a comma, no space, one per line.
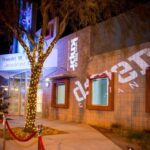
25,21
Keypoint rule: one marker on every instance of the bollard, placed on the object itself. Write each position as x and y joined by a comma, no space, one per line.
4,131
39,135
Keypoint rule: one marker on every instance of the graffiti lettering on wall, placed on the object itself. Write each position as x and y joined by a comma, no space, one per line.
81,91
73,57
125,71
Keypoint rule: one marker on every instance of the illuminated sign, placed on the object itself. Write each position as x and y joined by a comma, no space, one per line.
73,57
20,61
25,20
124,69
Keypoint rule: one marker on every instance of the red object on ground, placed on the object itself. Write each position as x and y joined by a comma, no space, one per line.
41,143
22,140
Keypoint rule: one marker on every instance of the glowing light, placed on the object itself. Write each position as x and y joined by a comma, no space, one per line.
12,89
16,89
47,79
47,84
6,89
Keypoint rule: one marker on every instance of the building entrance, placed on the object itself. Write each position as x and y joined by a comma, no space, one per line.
18,90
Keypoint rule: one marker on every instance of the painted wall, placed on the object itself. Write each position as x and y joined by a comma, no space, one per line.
129,95
127,29
65,48
84,51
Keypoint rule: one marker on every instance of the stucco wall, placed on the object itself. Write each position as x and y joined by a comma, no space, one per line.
129,94
127,29
96,55
64,50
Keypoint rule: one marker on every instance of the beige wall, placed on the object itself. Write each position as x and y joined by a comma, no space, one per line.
125,30
129,95
96,55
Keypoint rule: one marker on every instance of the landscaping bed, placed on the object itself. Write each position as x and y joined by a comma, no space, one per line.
19,132
127,139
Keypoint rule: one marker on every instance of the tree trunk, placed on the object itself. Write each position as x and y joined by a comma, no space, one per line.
32,99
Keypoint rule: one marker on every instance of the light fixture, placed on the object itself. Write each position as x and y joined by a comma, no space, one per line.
6,89
47,82
47,79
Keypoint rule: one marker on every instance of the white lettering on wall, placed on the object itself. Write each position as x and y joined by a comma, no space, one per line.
133,85
120,91
104,72
79,92
126,73
86,85
73,58
139,61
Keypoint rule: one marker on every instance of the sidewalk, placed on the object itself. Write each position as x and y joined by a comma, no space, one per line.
78,137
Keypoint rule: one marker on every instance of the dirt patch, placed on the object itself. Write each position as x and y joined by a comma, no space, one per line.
125,142
18,131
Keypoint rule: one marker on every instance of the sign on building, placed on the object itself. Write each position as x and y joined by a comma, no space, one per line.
73,56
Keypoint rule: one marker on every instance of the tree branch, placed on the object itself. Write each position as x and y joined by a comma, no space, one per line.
28,36
34,54
26,49
61,30
44,10
41,46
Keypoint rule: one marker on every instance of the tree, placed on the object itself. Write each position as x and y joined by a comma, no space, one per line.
4,103
75,12
49,8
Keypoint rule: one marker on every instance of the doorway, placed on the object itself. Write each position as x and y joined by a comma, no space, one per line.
18,90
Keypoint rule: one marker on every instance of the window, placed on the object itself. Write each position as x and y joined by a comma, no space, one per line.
101,93
60,93
148,90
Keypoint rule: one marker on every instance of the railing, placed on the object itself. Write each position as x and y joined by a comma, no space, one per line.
14,136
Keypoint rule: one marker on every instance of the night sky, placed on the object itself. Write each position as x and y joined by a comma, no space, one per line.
6,43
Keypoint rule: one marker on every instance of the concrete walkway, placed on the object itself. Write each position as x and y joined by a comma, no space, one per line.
78,137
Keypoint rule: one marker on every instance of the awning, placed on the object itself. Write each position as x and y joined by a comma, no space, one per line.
59,73
7,74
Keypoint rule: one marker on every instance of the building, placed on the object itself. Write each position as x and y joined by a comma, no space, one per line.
100,75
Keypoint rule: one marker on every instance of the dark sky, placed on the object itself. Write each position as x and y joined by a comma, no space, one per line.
5,43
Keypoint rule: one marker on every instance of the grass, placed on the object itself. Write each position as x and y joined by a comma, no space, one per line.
19,132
